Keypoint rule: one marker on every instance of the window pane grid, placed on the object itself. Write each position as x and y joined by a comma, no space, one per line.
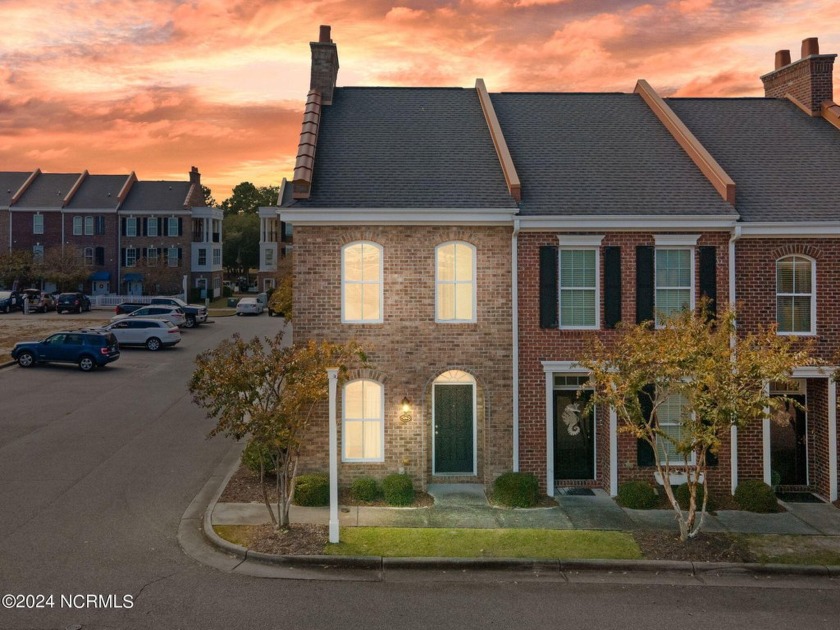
673,282
362,283
669,418
578,288
455,283
794,294
363,421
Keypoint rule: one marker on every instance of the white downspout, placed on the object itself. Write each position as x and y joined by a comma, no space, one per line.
733,431
514,298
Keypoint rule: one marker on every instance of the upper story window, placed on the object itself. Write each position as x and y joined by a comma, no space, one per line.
217,256
455,282
131,226
152,257
578,291
88,256
674,273
130,257
172,257
88,226
202,256
363,428
151,226
172,226
37,223
77,226
361,283
796,295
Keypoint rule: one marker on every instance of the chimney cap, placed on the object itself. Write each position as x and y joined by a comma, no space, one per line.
782,58
324,34
810,46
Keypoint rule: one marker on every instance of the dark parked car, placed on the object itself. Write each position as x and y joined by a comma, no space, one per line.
72,302
9,301
88,349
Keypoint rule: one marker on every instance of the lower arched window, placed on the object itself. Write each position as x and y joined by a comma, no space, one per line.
363,425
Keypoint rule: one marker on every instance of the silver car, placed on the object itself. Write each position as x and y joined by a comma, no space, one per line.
157,311
249,306
154,334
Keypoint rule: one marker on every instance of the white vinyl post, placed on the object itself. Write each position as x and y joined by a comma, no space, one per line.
332,375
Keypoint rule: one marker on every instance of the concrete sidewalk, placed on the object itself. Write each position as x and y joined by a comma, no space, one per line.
465,506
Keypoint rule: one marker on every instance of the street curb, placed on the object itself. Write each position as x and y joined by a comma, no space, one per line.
381,564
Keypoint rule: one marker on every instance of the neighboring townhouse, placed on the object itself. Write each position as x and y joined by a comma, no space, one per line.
473,242
120,226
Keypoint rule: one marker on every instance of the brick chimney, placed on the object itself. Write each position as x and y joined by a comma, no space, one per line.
808,80
195,176
324,65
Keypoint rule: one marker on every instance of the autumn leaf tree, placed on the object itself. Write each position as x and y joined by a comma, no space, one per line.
267,392
718,378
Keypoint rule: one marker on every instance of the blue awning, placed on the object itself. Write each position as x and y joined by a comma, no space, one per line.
100,276
133,277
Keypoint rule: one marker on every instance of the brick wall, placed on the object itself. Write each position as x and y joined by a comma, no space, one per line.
818,460
809,81
22,236
108,241
409,350
4,230
538,344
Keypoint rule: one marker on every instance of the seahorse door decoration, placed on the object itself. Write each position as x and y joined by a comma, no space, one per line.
571,418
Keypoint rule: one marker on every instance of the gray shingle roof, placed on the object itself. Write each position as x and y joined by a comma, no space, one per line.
48,190
784,163
156,196
98,192
404,148
10,183
599,154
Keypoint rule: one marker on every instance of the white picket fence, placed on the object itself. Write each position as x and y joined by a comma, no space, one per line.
111,300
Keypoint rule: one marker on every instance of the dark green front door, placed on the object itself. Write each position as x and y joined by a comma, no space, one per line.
574,436
454,429
788,444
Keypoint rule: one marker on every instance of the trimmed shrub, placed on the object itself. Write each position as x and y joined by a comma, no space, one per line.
516,489
637,495
251,458
398,489
756,496
683,497
312,490
365,489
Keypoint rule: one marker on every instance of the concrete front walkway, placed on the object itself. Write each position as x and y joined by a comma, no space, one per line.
465,506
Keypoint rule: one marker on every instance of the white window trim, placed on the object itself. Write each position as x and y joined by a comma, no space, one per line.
38,223
78,225
813,330
597,288
202,253
88,226
692,288
381,420
152,227
344,282
454,377
88,255
474,282
675,241
172,226
570,241
170,257
133,252
131,226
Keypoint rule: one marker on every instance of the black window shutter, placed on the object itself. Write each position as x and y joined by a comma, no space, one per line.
145,227
160,227
180,256
180,226
612,286
122,224
143,253
100,255
644,283
549,301
644,451
708,277
122,257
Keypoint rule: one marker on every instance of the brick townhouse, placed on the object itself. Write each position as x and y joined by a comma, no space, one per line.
473,242
119,225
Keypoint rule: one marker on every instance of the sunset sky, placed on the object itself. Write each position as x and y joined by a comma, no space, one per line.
157,86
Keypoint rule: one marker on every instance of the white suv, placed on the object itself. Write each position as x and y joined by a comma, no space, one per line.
152,333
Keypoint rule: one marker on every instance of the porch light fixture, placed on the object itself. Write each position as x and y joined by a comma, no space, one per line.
405,416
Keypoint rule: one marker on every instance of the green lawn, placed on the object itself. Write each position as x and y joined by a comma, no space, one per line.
787,549
483,543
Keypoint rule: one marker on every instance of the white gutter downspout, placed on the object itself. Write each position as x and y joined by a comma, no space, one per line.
514,298
733,431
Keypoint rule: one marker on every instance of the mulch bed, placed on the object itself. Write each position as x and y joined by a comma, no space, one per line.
298,540
705,547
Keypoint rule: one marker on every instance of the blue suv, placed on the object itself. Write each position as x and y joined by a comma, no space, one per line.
85,348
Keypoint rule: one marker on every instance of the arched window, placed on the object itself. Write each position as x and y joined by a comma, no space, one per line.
455,282
363,428
361,283
796,295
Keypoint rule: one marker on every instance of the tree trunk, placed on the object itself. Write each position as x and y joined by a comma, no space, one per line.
264,489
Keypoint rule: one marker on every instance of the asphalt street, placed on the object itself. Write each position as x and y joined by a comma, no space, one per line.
97,470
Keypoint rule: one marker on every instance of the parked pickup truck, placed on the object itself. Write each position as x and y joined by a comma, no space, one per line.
195,313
